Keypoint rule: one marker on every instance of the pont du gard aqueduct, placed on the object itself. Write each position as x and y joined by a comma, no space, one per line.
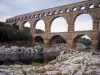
69,12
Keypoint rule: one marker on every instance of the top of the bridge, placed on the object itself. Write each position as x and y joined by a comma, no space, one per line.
56,10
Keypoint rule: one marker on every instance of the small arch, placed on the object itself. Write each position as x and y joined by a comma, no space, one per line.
26,17
18,18
82,8
55,12
67,10
49,13
44,14
56,39
83,39
91,6
74,9
38,39
29,17
99,4
35,16
61,11
39,15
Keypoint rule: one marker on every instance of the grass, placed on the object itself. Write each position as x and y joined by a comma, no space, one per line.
24,72
37,64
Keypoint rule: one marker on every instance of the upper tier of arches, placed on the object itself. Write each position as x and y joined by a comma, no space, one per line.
85,5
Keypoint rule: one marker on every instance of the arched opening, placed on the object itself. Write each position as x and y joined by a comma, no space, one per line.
67,10
27,27
57,43
57,39
61,11
82,8
74,9
82,42
91,6
49,13
15,25
55,12
39,40
59,25
99,4
83,22
40,26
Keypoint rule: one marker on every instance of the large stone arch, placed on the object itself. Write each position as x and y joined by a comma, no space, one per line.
76,38
55,17
80,14
56,39
35,22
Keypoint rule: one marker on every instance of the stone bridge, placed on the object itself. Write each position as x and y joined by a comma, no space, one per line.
70,12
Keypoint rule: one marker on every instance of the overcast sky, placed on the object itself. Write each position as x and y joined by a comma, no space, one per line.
10,8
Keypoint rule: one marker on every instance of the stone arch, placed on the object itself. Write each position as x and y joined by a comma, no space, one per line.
76,39
49,13
61,11
86,15
99,5
36,22
44,14
82,7
91,6
38,39
56,39
74,9
67,10
55,12
57,17
26,24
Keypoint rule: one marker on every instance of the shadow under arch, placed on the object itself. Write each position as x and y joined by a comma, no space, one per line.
38,39
54,18
76,39
56,39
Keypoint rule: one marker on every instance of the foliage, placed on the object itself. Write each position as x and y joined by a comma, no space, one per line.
85,41
39,31
24,72
9,33
36,64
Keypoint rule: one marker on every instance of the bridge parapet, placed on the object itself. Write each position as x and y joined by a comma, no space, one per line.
53,11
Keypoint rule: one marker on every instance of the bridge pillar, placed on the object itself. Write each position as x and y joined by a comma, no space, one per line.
20,25
71,26
95,24
46,44
95,39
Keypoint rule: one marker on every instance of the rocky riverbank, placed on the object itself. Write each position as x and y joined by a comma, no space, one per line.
76,63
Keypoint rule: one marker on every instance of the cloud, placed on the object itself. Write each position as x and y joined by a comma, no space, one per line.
3,18
4,7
